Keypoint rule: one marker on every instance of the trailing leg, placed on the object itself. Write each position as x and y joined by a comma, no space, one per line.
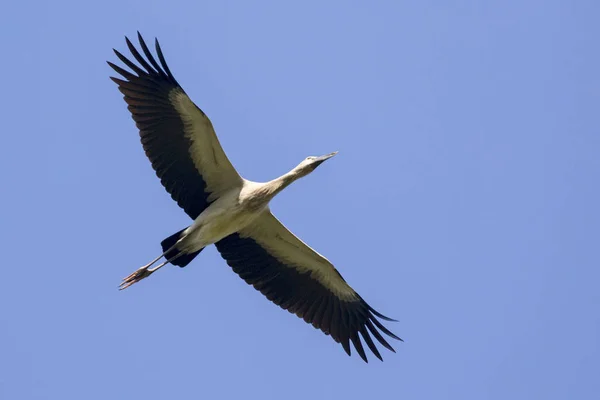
171,254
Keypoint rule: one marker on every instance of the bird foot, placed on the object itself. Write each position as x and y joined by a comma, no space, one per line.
136,276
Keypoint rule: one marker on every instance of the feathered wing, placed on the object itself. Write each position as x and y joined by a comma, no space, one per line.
298,279
177,136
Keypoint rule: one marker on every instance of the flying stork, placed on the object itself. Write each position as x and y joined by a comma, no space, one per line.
233,213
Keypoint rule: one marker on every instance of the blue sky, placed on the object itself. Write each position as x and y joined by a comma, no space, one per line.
464,200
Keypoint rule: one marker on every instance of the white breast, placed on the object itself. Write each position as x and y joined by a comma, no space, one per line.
222,218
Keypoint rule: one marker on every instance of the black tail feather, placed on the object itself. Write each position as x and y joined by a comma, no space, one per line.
182,259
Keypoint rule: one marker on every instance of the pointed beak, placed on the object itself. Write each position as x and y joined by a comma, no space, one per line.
325,157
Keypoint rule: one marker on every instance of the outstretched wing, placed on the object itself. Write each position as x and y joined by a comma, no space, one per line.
298,279
177,136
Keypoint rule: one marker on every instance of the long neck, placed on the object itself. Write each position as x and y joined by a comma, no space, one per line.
266,191
277,185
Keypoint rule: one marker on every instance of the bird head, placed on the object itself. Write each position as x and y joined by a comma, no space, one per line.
310,163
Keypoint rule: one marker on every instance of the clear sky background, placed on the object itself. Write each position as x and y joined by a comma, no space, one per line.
463,202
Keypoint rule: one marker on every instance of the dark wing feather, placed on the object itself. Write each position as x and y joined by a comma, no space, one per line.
176,136
298,291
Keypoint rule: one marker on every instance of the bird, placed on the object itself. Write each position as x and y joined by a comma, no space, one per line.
232,212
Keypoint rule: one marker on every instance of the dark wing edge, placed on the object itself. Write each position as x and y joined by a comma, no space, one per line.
306,297
146,92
